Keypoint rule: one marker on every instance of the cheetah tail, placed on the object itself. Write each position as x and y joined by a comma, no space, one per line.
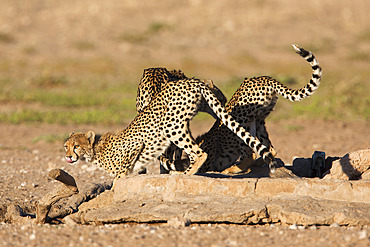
310,88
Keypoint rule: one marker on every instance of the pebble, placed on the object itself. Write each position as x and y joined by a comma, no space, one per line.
362,235
293,227
178,222
231,242
347,238
91,168
334,225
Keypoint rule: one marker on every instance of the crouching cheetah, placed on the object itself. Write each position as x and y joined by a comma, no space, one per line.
164,120
250,105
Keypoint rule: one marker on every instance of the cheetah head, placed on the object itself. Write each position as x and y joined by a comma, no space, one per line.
79,145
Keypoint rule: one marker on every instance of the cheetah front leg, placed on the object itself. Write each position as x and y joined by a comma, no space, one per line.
128,163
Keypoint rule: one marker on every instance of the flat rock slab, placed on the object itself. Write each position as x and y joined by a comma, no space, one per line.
155,211
201,199
180,187
305,211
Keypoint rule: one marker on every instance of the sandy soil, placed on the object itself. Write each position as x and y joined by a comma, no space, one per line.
27,156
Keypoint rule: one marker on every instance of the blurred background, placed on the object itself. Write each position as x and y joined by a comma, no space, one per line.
75,62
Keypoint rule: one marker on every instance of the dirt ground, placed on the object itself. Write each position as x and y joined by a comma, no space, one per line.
26,158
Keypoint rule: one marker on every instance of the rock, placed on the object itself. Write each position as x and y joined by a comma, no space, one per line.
362,235
16,214
178,222
334,225
310,211
262,172
245,211
351,166
180,199
175,187
366,175
200,188
293,227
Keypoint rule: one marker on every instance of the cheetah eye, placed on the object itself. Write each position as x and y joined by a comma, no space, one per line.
76,146
66,147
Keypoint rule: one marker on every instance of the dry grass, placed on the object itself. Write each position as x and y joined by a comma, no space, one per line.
96,50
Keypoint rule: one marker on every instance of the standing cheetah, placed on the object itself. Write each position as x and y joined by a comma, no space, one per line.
250,105
151,83
164,120
154,80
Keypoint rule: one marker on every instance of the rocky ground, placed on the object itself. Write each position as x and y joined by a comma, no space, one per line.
28,152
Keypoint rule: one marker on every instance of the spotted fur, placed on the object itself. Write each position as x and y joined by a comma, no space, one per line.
152,82
163,121
250,105
154,79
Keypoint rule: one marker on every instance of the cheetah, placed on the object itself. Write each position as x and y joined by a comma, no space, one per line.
154,79
151,83
250,105
164,120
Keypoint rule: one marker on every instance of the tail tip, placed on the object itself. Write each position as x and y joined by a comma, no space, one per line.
272,166
296,47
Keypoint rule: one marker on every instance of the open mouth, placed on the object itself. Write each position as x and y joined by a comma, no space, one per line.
69,160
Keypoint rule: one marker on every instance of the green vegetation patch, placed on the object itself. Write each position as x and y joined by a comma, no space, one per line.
91,116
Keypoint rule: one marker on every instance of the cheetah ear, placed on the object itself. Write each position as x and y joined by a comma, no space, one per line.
70,134
90,135
209,83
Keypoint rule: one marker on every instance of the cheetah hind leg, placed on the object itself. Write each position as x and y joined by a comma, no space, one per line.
254,162
249,154
194,166
242,166
195,154
177,166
